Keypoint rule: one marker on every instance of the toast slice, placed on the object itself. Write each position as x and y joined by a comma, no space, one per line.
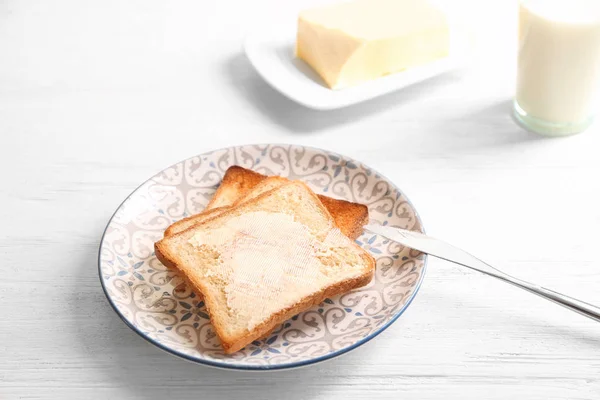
265,185
239,183
266,260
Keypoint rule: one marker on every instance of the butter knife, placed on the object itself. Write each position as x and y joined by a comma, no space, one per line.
445,251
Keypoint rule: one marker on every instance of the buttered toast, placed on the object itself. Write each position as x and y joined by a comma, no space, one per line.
239,183
265,260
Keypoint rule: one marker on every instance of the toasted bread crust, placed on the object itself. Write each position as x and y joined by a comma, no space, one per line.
238,183
187,222
349,217
233,344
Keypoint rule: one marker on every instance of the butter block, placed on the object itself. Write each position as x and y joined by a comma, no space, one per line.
351,43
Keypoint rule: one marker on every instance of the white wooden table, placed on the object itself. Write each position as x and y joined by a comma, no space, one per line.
95,97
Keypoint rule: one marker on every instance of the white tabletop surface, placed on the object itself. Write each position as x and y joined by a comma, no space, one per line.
95,97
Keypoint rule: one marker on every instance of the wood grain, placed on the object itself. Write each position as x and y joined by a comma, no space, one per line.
97,97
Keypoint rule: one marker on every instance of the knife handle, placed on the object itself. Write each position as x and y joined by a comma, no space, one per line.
579,306
448,252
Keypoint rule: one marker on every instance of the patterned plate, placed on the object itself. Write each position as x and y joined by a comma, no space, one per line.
155,302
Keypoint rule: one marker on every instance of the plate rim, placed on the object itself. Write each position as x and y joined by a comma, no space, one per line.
267,367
